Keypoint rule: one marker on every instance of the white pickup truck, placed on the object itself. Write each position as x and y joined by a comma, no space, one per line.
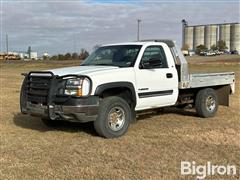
119,80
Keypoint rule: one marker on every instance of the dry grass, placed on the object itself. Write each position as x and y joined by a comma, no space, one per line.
152,149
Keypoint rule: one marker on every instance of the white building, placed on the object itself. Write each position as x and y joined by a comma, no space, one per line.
33,55
25,55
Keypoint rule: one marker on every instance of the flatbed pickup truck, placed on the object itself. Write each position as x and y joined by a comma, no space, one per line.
118,80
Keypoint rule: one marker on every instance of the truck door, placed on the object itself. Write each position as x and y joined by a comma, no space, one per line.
156,78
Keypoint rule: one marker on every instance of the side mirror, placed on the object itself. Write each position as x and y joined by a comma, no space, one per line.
151,63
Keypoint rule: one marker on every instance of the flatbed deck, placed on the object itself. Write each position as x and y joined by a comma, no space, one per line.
197,80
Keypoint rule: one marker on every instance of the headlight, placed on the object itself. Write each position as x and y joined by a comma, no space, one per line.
78,87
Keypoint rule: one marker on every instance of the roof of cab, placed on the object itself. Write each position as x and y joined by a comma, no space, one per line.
170,43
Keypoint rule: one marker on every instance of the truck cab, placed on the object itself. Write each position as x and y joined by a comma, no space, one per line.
119,80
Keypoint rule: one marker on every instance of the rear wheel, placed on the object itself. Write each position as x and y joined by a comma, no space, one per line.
114,117
206,103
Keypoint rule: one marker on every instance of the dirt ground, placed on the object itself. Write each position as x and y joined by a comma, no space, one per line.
153,148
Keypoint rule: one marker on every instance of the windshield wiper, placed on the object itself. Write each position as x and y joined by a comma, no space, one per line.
103,64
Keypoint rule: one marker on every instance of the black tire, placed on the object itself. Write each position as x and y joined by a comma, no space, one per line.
23,97
206,103
103,125
133,116
125,96
50,123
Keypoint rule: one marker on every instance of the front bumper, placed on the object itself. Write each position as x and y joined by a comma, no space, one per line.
42,94
72,109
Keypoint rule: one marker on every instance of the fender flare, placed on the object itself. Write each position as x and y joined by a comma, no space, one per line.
101,88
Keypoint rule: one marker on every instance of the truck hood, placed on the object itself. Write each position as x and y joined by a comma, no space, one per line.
81,70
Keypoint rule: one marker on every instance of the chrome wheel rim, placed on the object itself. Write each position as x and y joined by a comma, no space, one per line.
116,118
210,104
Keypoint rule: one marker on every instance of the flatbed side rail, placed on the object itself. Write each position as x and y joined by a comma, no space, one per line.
211,79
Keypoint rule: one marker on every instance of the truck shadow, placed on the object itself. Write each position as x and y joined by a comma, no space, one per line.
168,110
180,111
35,123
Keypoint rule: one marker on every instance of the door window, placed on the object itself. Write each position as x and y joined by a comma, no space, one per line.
154,57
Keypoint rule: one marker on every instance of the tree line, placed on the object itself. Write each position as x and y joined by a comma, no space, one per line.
220,46
70,56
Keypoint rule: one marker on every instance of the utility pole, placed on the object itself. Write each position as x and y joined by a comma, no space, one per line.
7,45
138,29
74,43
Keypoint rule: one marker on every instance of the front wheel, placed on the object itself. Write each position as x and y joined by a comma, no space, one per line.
206,103
114,117
23,97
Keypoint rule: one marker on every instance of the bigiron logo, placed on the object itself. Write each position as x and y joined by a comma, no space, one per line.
208,169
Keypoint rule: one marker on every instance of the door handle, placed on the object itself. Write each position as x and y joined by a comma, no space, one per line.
169,75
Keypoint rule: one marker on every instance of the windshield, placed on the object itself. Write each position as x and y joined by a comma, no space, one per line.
121,56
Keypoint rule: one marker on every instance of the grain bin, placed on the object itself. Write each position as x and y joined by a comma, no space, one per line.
225,34
198,38
235,37
188,38
210,35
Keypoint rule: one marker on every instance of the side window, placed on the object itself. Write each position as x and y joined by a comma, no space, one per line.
154,57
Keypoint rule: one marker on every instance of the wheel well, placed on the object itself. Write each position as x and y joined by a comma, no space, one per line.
122,92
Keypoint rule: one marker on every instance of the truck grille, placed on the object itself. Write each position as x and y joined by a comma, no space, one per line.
38,89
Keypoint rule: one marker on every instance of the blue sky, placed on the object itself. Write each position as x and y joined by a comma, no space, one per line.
116,1
67,26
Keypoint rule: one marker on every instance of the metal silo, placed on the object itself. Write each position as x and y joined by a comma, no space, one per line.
198,38
188,37
210,35
225,34
235,37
